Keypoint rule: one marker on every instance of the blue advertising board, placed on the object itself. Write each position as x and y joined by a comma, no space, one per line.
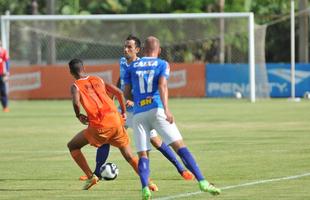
224,80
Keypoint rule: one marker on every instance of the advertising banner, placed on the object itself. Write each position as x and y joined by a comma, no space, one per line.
279,76
53,82
227,79
224,80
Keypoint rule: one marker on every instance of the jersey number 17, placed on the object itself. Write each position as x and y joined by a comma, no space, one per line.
149,80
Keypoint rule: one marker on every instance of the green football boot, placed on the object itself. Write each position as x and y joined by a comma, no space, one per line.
205,186
146,193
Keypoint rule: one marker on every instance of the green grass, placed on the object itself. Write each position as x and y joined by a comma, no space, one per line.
234,142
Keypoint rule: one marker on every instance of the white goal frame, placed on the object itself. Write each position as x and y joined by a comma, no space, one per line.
5,28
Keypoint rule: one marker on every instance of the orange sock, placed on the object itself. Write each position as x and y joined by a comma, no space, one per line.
79,158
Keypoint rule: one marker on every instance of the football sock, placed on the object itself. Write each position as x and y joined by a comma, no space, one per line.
190,163
81,161
3,96
101,157
134,164
144,171
168,153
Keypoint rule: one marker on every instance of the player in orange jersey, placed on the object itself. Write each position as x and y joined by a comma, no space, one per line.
105,124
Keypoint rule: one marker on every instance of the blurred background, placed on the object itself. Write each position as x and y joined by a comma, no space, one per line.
215,47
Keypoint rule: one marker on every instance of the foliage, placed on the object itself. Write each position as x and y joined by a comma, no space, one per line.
265,11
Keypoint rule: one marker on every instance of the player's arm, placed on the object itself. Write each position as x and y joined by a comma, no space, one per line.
7,66
127,92
118,84
163,92
76,105
119,95
128,88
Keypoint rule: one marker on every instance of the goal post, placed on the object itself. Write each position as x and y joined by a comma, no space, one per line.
99,38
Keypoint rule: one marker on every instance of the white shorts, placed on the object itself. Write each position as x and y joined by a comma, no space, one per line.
129,124
144,122
129,119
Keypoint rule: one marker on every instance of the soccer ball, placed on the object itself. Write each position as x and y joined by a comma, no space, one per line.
307,95
109,171
238,95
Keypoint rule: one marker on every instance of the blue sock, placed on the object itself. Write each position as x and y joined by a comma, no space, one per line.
3,95
168,153
144,171
190,163
101,157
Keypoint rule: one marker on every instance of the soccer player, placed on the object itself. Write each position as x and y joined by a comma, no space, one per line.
131,49
4,76
105,123
147,78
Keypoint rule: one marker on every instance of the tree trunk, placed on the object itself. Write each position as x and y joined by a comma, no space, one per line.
51,50
221,4
35,57
303,47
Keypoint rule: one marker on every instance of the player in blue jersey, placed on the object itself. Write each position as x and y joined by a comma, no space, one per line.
146,83
131,49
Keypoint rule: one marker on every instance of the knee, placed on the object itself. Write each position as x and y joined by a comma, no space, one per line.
143,154
71,146
177,145
156,142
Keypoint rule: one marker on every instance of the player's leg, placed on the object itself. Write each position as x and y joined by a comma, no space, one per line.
142,128
101,158
122,142
144,173
172,136
129,157
3,95
169,154
134,162
75,146
191,164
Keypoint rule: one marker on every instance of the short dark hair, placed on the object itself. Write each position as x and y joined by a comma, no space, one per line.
136,39
75,65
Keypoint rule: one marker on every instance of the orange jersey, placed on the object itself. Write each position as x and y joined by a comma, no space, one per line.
100,108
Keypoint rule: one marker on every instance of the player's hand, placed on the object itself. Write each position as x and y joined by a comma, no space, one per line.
83,119
6,77
124,116
129,103
169,116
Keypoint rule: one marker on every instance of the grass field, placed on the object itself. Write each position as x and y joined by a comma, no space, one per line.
255,151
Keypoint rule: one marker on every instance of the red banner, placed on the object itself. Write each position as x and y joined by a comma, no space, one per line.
53,82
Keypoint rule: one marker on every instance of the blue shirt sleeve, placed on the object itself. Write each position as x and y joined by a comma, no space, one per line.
165,70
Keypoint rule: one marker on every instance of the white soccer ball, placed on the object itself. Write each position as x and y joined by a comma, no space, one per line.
109,171
307,95
238,95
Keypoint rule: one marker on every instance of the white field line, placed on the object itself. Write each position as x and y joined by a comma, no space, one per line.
236,186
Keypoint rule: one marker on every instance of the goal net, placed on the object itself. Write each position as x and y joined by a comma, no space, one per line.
222,39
